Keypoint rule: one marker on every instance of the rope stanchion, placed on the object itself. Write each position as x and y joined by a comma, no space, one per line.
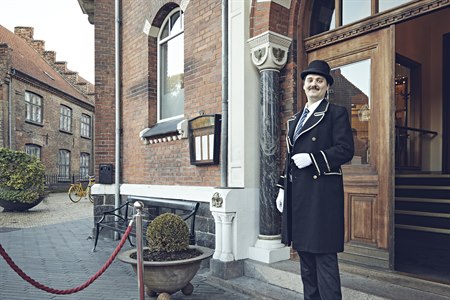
47,289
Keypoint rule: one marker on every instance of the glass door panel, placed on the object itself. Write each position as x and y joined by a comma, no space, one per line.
351,89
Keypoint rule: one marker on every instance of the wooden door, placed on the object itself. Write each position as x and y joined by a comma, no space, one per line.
363,69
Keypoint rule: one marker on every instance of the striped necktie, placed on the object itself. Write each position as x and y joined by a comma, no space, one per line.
300,123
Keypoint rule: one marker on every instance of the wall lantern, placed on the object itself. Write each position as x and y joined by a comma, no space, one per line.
204,139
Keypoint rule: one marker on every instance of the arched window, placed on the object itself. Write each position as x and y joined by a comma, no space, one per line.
171,67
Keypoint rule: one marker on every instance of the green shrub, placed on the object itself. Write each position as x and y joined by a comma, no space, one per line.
22,177
168,233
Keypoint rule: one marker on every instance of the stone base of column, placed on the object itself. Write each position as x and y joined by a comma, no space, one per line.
269,249
226,269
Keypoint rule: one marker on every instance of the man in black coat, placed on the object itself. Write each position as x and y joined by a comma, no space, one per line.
311,196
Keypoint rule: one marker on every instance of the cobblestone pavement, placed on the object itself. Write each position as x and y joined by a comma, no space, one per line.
52,244
56,208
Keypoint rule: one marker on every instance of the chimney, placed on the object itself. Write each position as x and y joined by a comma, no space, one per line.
82,86
61,66
25,33
71,76
50,57
39,46
5,58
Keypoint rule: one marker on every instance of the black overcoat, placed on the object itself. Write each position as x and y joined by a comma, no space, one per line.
313,210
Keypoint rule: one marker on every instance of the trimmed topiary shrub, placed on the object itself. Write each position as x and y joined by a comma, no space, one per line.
168,233
22,177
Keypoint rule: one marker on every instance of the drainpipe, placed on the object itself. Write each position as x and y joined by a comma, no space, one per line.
9,81
224,129
117,104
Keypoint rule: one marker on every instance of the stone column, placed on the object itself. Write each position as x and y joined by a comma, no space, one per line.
269,54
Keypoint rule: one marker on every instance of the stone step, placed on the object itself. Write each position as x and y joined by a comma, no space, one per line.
281,280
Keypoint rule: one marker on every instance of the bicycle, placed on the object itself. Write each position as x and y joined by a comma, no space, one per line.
76,191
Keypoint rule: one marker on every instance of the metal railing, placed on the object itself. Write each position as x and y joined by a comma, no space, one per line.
408,146
58,183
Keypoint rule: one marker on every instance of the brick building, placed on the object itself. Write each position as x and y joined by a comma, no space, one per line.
173,70
46,110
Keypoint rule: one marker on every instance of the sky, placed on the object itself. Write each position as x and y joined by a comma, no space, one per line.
61,24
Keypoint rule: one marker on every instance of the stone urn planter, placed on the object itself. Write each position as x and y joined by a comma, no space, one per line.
169,261
10,206
168,276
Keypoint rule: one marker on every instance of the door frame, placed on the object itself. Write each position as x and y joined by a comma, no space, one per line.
445,104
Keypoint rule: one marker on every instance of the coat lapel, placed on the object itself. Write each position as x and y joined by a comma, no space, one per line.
291,127
316,117
312,121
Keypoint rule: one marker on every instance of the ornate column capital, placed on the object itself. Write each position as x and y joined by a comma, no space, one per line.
269,50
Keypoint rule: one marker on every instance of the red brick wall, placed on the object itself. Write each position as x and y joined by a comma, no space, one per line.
168,162
104,82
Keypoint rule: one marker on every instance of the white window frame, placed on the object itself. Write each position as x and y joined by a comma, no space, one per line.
65,118
63,164
159,43
33,107
85,126
85,162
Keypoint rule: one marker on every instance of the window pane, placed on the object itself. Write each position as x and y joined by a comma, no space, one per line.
33,107
85,126
351,89
165,31
354,10
84,165
172,78
65,119
64,164
33,150
387,4
323,16
176,24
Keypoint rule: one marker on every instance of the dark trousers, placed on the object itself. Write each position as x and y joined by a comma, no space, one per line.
320,276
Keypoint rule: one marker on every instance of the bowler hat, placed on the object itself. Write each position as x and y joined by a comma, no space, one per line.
318,67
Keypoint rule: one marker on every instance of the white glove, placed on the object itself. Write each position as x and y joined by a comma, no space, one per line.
302,160
279,201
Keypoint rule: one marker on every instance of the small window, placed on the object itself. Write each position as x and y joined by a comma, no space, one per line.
64,164
33,107
171,67
65,119
33,150
85,126
84,165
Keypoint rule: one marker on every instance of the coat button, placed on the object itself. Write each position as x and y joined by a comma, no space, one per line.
315,177
313,139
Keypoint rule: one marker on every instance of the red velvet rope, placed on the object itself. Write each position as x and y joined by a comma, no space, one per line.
73,290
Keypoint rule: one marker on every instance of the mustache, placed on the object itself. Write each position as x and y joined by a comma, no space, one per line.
314,87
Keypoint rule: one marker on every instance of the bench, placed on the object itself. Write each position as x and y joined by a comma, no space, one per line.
118,219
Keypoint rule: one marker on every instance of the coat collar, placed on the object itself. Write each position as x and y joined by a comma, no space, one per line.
312,121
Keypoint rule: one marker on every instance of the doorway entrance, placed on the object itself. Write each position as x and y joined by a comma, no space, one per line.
422,190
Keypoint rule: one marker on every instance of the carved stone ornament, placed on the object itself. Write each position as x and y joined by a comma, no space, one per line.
269,50
216,200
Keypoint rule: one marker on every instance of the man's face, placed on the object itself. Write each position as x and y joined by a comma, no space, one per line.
315,87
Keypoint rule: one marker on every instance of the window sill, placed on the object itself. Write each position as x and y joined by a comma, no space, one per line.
164,132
